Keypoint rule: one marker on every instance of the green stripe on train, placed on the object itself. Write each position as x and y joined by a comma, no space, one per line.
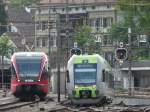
90,58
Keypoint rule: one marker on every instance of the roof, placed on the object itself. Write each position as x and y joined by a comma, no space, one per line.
136,68
92,58
24,23
29,53
19,15
136,65
22,20
76,1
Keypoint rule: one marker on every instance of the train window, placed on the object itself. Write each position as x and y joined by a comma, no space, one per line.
67,76
13,72
103,75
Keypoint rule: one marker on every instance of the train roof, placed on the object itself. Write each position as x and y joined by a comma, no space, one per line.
96,58
29,54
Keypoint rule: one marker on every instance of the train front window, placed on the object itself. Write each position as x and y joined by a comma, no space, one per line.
28,67
85,74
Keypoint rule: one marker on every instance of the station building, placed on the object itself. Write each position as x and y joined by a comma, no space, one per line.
140,74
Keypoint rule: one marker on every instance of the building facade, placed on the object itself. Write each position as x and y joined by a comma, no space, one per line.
99,14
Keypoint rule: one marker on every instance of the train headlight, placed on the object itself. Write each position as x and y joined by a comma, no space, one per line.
18,80
94,86
39,80
76,87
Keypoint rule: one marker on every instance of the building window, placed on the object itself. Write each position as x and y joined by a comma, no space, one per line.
93,7
44,25
38,26
77,8
104,22
101,22
97,23
92,22
43,42
107,22
63,9
108,6
70,9
54,9
54,42
53,39
111,21
39,42
83,8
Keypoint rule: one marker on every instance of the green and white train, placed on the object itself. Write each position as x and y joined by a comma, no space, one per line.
89,79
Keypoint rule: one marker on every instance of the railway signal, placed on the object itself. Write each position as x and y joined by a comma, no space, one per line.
121,53
75,51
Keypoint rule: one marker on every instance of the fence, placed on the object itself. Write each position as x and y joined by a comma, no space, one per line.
4,86
136,91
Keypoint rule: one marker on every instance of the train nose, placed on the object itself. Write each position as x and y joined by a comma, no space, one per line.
27,88
85,94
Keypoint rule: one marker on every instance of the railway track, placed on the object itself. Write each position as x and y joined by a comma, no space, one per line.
14,105
66,106
50,105
91,109
7,99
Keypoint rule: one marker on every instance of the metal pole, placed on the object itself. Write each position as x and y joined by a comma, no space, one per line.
2,72
67,37
67,27
130,62
49,47
58,54
35,41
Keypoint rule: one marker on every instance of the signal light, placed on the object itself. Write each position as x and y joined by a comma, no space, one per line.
121,54
75,51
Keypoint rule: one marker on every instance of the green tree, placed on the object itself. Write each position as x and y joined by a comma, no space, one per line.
136,15
3,17
23,3
83,36
6,47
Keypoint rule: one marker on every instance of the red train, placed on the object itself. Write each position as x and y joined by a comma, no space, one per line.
29,74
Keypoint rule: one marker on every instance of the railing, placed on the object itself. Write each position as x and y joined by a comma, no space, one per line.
4,86
136,91
4,89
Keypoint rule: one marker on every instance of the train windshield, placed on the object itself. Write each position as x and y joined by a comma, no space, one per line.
85,73
28,67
